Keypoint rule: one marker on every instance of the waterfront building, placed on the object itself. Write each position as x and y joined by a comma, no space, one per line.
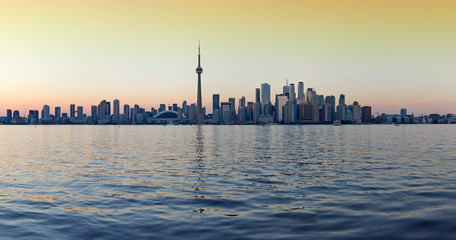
215,102
341,112
356,112
93,113
292,96
286,90
45,114
162,108
267,109
281,100
342,99
242,102
116,110
127,112
366,113
57,113
232,102
309,95
9,115
403,112
33,117
184,108
72,111
300,92
290,112
349,113
265,93
225,112
257,111
249,112
309,112
325,113
331,100
80,113
257,95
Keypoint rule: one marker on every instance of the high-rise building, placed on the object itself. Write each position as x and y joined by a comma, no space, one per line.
331,100
301,92
9,115
309,112
286,90
185,108
356,112
93,113
215,103
199,106
325,113
116,110
127,112
292,92
279,104
366,114
250,111
225,112
265,93
45,115
242,102
257,95
341,112
342,99
72,111
162,107
57,112
232,102
403,112
175,107
80,113
309,95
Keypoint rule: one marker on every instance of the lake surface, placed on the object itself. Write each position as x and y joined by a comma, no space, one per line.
228,182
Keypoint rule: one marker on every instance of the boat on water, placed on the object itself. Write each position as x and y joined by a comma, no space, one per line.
336,123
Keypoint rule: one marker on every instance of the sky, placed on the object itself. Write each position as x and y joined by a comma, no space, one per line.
388,54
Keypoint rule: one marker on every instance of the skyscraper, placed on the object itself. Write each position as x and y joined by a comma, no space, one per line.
342,99
232,102
286,90
309,95
215,103
116,110
292,92
300,92
72,111
265,93
46,113
80,113
257,95
127,112
57,112
366,114
199,107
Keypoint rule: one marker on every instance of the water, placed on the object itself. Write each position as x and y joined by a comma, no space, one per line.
229,182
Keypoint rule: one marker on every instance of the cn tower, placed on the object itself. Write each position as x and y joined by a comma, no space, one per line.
199,107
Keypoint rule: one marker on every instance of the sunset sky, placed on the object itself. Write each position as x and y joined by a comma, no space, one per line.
387,54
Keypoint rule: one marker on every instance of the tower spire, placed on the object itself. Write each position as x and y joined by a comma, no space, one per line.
199,54
199,107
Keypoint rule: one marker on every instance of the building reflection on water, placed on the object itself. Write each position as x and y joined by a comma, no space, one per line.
199,168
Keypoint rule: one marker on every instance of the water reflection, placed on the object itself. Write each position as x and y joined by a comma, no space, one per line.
199,167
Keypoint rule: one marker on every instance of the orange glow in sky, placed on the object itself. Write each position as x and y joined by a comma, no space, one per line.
388,54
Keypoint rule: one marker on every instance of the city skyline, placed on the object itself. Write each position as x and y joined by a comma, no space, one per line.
385,54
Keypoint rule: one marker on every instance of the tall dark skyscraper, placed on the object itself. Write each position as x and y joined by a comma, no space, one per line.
199,105
215,102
